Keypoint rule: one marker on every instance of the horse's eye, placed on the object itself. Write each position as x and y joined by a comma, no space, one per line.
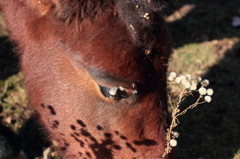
114,93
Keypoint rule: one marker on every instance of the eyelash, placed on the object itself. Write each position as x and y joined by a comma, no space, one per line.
113,93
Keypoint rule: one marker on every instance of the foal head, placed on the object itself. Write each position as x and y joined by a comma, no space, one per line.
95,73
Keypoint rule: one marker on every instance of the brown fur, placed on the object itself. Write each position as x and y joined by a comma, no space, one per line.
68,48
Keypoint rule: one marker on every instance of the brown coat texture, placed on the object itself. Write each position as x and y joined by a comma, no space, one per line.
74,53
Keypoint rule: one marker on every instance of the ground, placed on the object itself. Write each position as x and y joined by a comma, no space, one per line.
204,44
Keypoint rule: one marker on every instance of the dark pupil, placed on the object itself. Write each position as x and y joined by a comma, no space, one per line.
119,93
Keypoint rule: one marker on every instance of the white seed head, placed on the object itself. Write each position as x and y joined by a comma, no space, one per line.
182,77
178,80
175,134
187,85
205,83
194,81
202,91
112,91
170,78
188,77
184,81
208,99
173,74
173,142
199,79
210,91
193,87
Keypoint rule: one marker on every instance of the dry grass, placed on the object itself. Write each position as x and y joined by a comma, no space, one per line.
210,48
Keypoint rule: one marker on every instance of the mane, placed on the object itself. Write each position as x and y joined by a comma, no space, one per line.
139,16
